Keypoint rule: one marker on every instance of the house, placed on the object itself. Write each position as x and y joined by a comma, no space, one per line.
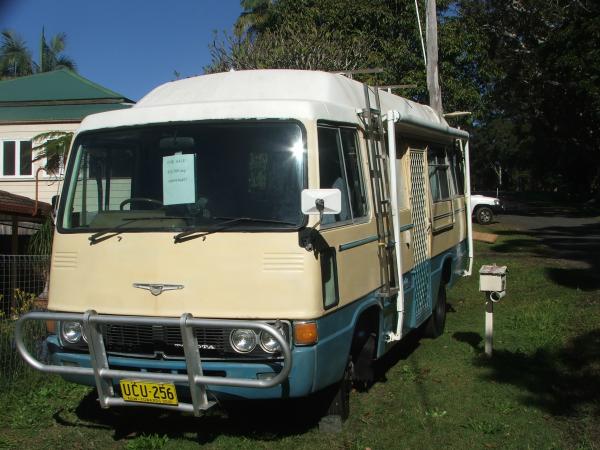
36,104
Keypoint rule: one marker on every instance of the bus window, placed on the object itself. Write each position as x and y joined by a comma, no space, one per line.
339,168
438,174
358,200
457,170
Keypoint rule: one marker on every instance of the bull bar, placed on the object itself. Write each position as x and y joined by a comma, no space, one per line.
194,378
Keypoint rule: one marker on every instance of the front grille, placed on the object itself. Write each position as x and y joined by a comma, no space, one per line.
157,339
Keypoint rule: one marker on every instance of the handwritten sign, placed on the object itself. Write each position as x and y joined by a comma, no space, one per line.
179,179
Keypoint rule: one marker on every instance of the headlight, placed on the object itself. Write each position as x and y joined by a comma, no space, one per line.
496,202
268,343
243,340
72,332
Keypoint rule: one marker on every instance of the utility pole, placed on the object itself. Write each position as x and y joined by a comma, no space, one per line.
431,35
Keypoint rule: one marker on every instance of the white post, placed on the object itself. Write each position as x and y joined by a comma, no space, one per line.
467,163
489,325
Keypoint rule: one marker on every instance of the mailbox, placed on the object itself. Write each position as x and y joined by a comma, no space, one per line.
492,279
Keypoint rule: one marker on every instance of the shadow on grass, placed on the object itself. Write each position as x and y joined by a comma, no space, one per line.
260,420
578,247
565,382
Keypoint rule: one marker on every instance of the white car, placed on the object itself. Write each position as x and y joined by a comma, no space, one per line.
483,208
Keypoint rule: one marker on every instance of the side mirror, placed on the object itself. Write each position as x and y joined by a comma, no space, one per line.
318,201
321,201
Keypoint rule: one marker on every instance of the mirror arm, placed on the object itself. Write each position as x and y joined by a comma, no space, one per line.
310,238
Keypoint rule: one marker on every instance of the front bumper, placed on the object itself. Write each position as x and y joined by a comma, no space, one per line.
299,382
104,371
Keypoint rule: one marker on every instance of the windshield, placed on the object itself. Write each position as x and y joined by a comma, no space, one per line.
181,176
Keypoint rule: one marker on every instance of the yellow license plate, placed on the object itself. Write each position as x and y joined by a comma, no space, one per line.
148,392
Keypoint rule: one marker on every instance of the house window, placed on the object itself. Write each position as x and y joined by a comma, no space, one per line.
16,158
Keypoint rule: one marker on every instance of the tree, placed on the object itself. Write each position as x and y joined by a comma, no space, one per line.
337,35
15,57
254,17
52,147
51,57
544,70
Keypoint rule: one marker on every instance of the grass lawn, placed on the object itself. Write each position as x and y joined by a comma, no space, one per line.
541,389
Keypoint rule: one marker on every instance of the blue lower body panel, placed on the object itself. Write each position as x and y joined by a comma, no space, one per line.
313,367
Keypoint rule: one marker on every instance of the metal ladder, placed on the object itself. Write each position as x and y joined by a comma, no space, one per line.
380,186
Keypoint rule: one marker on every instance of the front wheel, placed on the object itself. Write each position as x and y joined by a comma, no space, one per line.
340,404
437,322
484,215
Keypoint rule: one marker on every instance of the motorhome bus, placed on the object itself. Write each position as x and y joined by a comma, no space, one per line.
252,235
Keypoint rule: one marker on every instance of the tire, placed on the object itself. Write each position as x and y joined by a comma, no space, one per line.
364,364
484,215
437,322
337,398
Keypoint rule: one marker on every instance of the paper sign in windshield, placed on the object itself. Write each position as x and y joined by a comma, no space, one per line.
179,179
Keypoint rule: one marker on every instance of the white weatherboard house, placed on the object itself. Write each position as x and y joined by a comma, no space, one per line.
36,104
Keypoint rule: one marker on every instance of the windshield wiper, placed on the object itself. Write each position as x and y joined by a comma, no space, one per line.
101,235
229,221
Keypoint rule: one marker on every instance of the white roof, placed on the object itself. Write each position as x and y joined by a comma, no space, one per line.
259,94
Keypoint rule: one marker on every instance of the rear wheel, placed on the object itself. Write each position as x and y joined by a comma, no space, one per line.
437,322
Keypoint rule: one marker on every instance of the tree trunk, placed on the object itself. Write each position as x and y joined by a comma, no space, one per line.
433,85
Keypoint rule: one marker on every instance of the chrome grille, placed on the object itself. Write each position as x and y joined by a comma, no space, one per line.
152,339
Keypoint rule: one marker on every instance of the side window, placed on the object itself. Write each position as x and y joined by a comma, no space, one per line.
356,191
457,169
339,168
329,278
438,174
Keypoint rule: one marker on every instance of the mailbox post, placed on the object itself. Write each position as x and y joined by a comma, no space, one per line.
492,282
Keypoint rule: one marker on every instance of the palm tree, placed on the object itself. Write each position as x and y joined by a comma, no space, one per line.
50,55
15,57
255,15
53,147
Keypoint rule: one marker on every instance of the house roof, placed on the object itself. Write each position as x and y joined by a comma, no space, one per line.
18,205
57,96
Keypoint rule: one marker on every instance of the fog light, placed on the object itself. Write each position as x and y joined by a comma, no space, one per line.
71,332
243,340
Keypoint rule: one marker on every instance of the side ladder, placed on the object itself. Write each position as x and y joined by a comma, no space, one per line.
380,186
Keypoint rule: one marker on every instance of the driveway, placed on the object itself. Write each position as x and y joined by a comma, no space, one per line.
570,234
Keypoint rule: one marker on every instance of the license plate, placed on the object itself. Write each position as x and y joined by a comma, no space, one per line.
148,392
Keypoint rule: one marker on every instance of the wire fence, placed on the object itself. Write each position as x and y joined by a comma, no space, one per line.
23,288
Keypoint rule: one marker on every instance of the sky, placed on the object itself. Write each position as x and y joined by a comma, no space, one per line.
128,46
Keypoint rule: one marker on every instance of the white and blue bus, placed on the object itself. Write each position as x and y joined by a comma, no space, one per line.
252,235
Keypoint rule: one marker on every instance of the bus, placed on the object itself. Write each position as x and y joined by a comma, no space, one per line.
263,234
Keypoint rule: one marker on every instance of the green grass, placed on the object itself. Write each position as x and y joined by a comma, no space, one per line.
541,389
